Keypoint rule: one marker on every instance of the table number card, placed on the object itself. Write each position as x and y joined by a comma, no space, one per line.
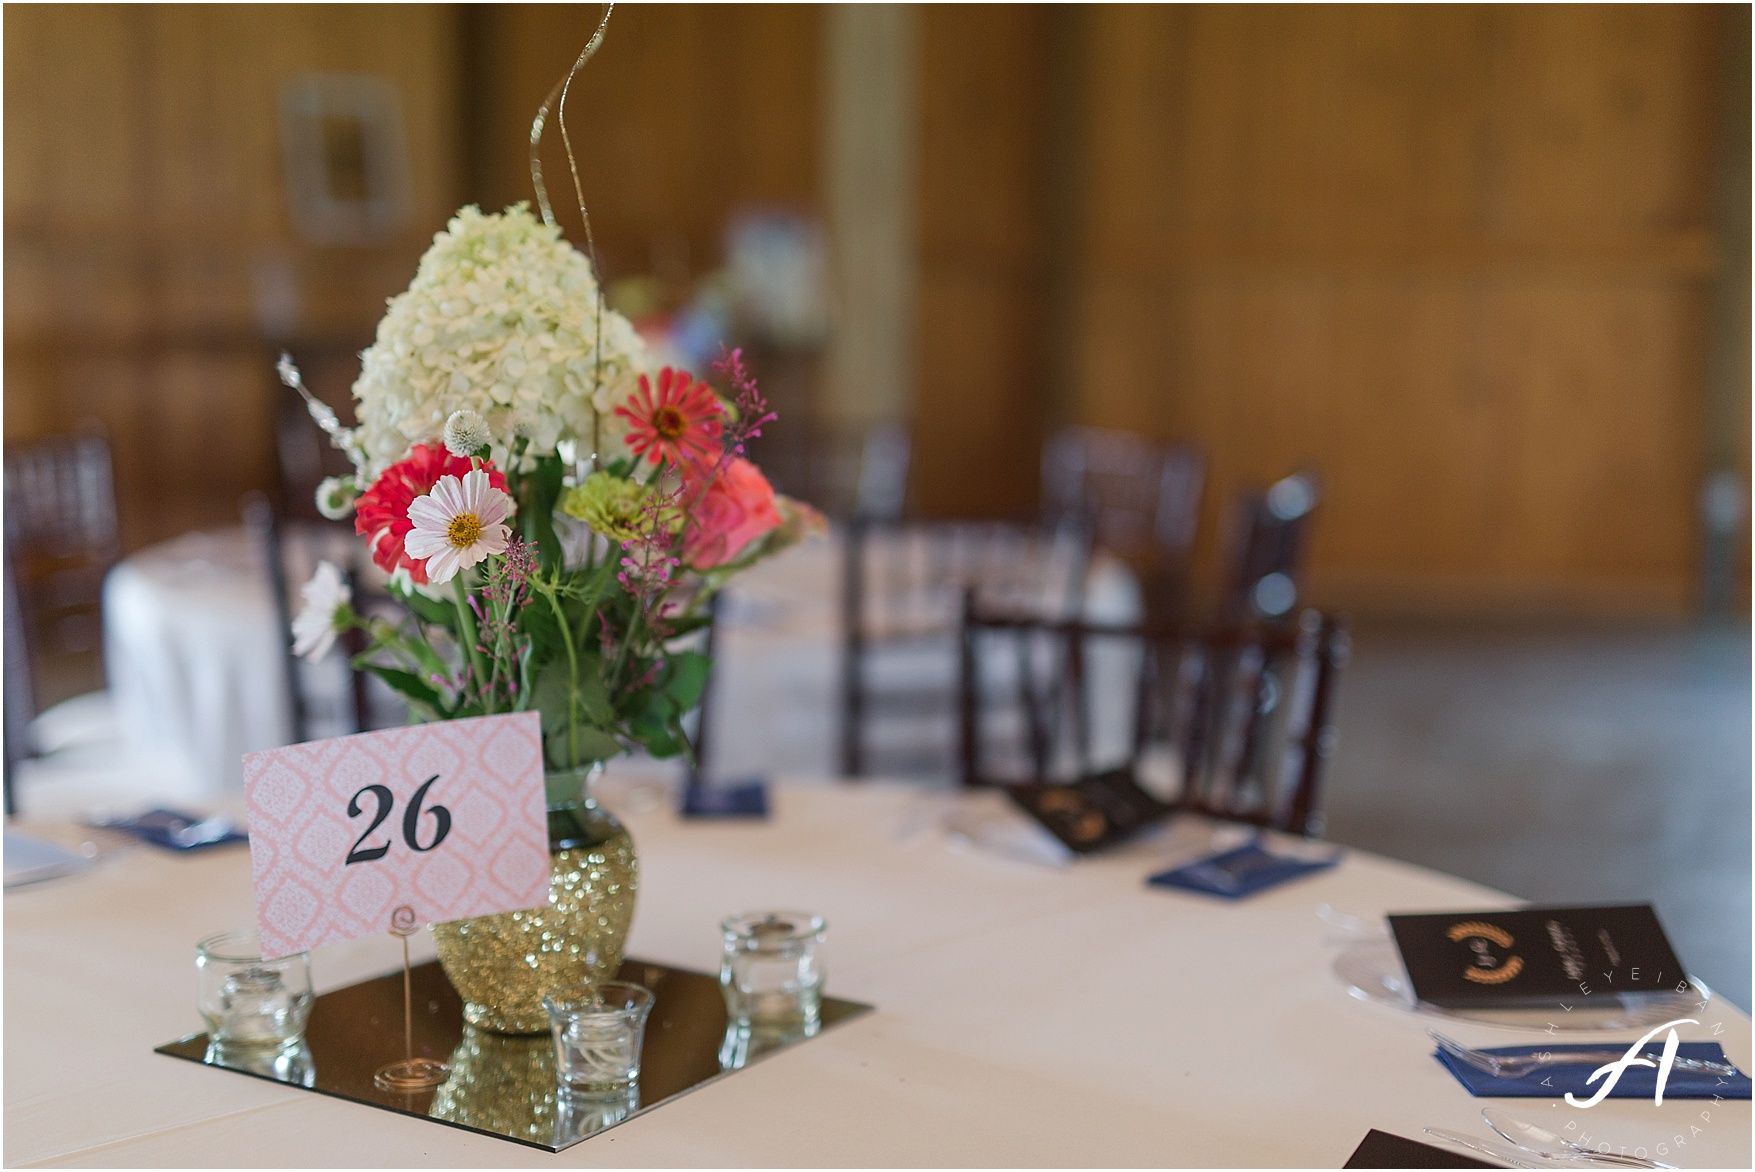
446,819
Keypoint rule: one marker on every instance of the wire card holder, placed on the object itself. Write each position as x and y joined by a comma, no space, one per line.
408,1074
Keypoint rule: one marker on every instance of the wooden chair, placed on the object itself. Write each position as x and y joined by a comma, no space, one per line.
1246,713
19,691
1139,500
61,539
902,582
1269,530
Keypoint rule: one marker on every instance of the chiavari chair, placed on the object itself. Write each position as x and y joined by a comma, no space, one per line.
1140,502
902,582
1247,713
1269,533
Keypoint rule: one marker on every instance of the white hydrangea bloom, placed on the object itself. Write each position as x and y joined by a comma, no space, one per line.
502,319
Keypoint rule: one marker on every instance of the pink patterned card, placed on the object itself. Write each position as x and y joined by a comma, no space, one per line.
447,819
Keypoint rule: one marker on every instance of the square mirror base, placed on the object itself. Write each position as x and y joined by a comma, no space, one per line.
501,1085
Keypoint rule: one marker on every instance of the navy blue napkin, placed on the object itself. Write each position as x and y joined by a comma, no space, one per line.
1637,1082
747,799
161,828
1237,873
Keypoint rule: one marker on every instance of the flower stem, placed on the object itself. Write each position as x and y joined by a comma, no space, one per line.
466,624
621,655
572,679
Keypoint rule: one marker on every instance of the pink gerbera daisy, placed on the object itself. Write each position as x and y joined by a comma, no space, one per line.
681,426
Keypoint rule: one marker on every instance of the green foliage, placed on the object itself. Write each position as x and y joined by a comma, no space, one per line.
430,610
570,643
538,490
422,697
688,678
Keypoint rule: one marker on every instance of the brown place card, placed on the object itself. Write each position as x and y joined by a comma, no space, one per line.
1536,956
1093,812
500,1085
1381,1149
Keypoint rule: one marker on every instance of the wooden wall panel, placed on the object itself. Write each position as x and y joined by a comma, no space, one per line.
145,205
982,373
688,112
1454,258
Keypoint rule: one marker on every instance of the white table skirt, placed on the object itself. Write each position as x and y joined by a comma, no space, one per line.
1025,1015
192,657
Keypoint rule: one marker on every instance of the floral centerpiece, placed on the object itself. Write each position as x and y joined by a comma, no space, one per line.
553,516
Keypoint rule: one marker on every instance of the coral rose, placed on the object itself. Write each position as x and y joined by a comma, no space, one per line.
737,507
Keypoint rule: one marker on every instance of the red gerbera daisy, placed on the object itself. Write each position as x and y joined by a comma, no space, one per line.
381,513
681,425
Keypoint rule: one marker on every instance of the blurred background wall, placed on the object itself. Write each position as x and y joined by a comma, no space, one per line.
1484,268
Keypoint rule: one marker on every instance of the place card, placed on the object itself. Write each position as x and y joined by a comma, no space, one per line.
436,822
1382,1149
1536,956
1093,812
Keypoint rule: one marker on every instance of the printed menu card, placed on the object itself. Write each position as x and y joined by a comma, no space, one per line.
1536,956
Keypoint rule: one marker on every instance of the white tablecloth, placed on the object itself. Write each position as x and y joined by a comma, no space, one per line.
192,656
195,662
1026,1016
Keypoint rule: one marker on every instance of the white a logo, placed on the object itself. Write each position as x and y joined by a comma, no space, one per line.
1633,1058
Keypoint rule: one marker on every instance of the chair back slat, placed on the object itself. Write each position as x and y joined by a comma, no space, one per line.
288,554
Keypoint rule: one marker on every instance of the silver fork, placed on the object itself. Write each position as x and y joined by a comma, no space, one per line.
1503,1066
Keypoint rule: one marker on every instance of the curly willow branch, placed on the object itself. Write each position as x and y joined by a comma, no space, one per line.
537,124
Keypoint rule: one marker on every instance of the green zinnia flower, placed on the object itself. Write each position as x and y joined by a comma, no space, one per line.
621,510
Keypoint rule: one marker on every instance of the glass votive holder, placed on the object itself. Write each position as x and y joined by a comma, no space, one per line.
250,1002
744,1043
578,1116
772,970
292,1065
598,1031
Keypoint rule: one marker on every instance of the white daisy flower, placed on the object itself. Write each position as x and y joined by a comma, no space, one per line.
457,524
466,433
325,595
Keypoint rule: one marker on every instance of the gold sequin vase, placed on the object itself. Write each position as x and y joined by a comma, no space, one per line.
501,965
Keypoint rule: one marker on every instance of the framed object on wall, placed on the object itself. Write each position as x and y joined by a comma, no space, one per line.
347,174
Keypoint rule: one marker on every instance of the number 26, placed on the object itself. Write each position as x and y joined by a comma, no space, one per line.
386,801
